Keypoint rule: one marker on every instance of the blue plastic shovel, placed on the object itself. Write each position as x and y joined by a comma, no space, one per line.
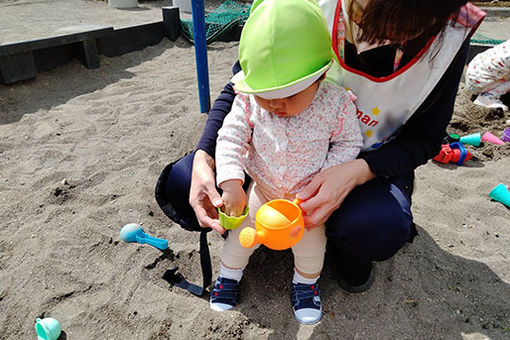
133,232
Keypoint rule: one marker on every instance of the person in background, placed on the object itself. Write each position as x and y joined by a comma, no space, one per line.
488,76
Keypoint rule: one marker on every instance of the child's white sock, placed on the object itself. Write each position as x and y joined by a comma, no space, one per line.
298,278
233,274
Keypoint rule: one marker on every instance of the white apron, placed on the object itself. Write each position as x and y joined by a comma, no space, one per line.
386,103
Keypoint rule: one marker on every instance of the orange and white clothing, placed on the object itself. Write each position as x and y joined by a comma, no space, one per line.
490,70
385,104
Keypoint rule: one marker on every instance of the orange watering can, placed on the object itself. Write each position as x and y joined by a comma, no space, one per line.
279,225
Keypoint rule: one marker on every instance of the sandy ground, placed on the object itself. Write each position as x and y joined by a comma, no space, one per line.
80,153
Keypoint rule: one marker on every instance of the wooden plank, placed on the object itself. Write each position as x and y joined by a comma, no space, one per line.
129,39
65,39
89,58
171,22
18,67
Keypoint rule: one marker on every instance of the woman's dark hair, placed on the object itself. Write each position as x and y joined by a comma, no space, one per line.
401,21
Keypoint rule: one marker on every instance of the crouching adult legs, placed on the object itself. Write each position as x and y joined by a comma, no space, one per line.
372,224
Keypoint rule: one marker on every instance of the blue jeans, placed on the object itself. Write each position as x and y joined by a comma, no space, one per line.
372,224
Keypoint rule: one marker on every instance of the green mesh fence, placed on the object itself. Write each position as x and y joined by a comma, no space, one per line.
478,38
226,17
230,14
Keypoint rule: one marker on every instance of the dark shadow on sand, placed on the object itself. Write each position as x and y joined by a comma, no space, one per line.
423,292
472,163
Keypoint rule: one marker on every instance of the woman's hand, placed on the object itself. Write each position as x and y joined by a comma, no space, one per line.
234,197
203,197
328,189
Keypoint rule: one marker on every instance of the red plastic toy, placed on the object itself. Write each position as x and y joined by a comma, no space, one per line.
454,153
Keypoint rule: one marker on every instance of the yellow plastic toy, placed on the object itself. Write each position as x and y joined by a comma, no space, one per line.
279,225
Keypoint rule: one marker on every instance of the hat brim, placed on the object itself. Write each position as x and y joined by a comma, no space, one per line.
281,91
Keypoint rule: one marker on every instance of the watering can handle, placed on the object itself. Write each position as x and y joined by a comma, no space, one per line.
297,202
153,241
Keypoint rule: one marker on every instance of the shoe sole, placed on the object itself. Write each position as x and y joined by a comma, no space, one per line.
309,322
491,105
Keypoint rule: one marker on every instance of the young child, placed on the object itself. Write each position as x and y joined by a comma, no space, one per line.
488,76
287,124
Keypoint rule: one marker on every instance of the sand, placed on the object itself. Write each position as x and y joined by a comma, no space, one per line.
80,153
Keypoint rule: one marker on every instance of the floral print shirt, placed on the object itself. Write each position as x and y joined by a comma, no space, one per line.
283,154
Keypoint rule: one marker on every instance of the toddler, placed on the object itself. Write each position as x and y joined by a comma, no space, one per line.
287,124
488,76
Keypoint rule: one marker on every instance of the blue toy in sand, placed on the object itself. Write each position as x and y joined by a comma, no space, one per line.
133,232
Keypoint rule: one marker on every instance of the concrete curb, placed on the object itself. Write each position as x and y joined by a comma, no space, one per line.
497,11
24,59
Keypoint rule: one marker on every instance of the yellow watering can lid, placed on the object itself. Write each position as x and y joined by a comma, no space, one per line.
272,217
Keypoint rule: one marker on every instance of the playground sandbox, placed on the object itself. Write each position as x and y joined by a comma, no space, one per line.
81,151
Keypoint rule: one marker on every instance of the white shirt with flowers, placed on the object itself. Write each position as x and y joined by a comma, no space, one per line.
283,154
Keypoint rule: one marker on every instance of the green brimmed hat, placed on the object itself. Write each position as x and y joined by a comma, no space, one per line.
285,46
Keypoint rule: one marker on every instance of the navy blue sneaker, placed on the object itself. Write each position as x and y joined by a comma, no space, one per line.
224,294
306,302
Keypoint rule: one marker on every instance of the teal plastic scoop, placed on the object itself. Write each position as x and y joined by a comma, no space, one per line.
133,232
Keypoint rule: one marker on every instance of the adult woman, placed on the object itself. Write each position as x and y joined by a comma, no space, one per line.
404,60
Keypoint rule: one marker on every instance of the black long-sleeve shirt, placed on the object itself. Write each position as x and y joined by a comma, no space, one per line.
417,141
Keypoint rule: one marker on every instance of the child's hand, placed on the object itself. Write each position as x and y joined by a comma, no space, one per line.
234,197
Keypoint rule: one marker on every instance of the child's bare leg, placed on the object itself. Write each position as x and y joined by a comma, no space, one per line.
234,255
309,252
308,276
234,259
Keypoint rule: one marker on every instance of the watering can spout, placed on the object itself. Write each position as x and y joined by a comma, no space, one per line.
249,237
